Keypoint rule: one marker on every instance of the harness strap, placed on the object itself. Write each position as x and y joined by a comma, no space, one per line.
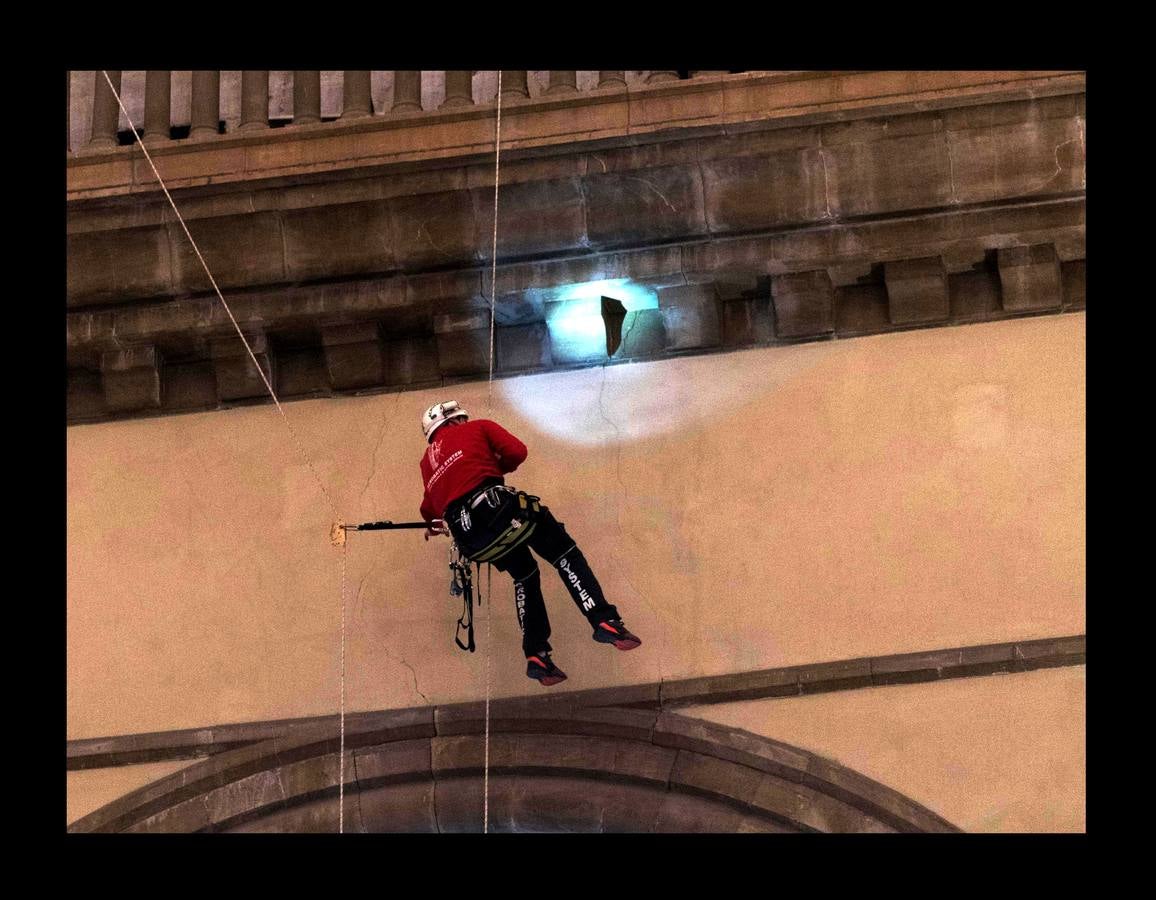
511,538
516,534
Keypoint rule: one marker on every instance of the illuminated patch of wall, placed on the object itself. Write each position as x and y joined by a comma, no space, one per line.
626,404
574,316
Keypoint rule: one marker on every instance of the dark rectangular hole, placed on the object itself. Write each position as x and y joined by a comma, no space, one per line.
180,132
128,136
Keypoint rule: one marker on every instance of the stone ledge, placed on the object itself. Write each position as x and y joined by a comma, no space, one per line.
602,712
366,282
748,100
750,180
412,362
529,715
1049,653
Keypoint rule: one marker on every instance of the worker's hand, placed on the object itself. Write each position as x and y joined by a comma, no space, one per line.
436,527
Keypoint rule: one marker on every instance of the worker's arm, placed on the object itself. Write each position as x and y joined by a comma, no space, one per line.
434,525
508,450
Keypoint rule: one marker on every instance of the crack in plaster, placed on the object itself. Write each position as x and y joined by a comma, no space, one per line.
357,608
208,813
1059,166
357,781
584,193
172,260
658,812
373,461
950,167
618,512
284,248
826,184
656,190
422,230
703,181
617,433
658,619
412,671
625,337
1083,152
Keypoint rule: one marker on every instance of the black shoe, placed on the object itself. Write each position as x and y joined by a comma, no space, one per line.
612,631
542,668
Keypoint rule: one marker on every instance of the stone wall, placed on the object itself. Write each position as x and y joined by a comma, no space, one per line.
366,242
279,95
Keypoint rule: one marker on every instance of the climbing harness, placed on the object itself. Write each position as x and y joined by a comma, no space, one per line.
462,585
523,520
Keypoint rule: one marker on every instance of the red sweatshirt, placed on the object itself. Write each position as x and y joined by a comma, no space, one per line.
461,457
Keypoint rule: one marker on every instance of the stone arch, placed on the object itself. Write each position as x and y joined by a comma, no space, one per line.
552,768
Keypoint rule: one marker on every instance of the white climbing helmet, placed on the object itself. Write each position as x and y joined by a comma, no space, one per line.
438,414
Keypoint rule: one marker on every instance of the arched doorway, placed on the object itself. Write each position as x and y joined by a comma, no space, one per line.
552,768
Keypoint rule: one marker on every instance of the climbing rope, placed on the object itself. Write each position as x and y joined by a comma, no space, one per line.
489,395
494,245
292,431
338,527
217,290
341,715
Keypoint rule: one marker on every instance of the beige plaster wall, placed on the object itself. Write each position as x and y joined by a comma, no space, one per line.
746,510
1002,753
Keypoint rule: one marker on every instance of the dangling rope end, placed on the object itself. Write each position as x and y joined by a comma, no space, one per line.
337,534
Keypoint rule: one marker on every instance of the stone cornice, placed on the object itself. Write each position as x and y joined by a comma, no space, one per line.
917,200
605,117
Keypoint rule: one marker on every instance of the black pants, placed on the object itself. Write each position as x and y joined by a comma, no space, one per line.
484,522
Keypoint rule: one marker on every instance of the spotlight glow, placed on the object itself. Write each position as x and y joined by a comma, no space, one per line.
574,313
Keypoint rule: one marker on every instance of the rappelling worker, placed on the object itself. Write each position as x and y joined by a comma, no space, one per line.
463,469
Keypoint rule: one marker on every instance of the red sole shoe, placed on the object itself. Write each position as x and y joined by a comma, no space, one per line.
623,640
548,680
546,677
